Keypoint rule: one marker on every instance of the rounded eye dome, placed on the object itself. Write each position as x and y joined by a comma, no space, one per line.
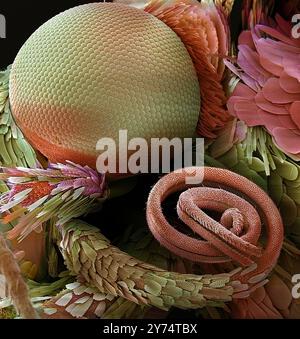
98,68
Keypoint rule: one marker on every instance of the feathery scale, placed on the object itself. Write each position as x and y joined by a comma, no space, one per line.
137,242
90,256
14,149
79,300
40,292
267,63
284,173
274,300
257,158
253,152
284,185
62,192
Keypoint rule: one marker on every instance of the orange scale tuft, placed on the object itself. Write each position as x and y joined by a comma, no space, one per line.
39,190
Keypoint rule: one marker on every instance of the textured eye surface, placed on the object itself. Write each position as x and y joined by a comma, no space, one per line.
98,68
